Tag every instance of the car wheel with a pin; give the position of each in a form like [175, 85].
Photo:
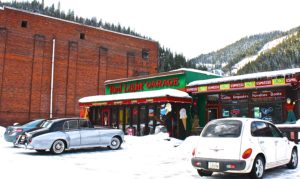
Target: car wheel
[115, 143]
[258, 168]
[204, 172]
[58, 147]
[294, 160]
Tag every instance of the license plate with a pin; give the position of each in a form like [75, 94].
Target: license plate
[214, 165]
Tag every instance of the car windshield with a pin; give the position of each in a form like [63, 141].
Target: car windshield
[223, 128]
[47, 124]
[34, 123]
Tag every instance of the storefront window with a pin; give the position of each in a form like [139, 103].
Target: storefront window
[234, 105]
[268, 111]
[267, 105]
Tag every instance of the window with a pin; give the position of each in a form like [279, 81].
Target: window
[71, 125]
[145, 54]
[82, 36]
[58, 126]
[24, 24]
[84, 124]
[228, 128]
[262, 129]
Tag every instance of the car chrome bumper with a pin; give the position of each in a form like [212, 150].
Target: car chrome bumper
[218, 165]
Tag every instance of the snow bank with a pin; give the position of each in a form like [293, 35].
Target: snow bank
[2, 130]
[187, 146]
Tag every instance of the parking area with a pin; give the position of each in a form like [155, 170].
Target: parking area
[148, 157]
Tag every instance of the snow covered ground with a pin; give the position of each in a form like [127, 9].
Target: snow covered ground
[148, 157]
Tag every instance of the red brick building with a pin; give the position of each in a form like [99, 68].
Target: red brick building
[84, 57]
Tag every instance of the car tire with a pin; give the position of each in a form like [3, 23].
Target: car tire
[204, 172]
[115, 143]
[40, 151]
[58, 147]
[294, 160]
[258, 168]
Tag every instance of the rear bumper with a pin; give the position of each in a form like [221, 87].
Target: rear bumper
[220, 165]
[10, 138]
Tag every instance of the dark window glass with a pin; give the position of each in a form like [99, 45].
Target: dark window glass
[73, 124]
[145, 54]
[82, 36]
[70, 125]
[58, 126]
[24, 24]
[261, 129]
[84, 124]
[275, 131]
[66, 125]
[228, 128]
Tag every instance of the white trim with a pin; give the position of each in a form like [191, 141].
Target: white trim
[52, 78]
[136, 95]
[72, 22]
[269, 74]
[122, 80]
[196, 71]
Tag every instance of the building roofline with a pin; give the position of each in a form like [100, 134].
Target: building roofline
[251, 76]
[162, 74]
[76, 23]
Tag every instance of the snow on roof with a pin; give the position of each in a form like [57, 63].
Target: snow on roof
[72, 22]
[161, 74]
[142, 77]
[268, 74]
[136, 95]
[195, 71]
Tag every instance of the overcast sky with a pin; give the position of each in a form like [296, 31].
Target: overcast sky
[191, 27]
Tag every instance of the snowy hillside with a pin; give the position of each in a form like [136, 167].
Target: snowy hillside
[265, 48]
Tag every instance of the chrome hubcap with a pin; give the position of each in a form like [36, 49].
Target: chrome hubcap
[58, 147]
[294, 158]
[259, 168]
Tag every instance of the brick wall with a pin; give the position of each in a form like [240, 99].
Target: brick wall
[81, 65]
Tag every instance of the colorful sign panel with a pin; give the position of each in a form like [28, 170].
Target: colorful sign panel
[175, 82]
[242, 85]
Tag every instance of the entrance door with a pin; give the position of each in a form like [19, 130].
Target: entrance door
[105, 117]
[212, 113]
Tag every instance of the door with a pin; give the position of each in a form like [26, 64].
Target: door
[72, 131]
[88, 136]
[281, 144]
[212, 113]
[105, 117]
[267, 143]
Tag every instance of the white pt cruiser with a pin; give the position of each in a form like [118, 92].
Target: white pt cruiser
[242, 145]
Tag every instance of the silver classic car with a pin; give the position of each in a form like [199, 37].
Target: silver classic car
[62, 134]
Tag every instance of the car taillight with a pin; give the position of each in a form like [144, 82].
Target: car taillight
[247, 153]
[194, 152]
[29, 140]
[18, 130]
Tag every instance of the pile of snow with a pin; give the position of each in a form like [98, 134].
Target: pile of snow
[2, 130]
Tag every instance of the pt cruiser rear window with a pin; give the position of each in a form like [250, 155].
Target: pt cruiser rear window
[223, 128]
